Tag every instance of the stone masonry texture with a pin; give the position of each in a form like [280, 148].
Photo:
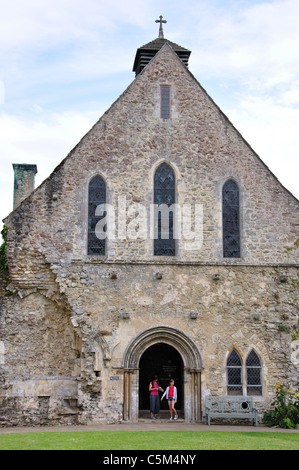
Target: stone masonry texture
[71, 323]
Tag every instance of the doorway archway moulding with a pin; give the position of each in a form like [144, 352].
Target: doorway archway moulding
[163, 334]
[191, 358]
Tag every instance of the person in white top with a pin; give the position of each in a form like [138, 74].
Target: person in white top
[172, 396]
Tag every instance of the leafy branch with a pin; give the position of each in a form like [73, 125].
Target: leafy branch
[3, 257]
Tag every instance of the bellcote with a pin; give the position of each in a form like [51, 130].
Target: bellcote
[145, 53]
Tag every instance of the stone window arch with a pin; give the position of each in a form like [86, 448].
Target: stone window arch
[253, 374]
[96, 214]
[231, 220]
[234, 373]
[164, 216]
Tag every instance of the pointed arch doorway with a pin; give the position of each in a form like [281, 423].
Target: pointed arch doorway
[189, 369]
[164, 361]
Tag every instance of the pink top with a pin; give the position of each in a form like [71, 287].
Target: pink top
[156, 386]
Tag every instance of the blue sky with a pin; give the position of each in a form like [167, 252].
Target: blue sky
[63, 63]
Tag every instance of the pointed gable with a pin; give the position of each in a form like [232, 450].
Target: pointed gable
[205, 150]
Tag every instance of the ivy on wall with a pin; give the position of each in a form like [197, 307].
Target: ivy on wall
[3, 258]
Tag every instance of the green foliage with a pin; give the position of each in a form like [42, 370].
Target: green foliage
[295, 335]
[295, 246]
[283, 328]
[3, 257]
[286, 409]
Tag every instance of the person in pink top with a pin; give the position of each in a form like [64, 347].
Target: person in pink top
[154, 389]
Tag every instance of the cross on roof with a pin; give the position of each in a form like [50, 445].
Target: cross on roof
[161, 34]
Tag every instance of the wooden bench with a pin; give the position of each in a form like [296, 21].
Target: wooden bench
[230, 407]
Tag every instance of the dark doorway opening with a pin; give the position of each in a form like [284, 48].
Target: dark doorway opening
[165, 362]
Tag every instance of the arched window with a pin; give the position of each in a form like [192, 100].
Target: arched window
[96, 202]
[164, 197]
[234, 374]
[231, 220]
[253, 374]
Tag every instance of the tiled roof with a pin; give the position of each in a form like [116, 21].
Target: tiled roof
[156, 44]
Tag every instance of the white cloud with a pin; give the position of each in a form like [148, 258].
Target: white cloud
[249, 53]
[272, 131]
[44, 141]
[24, 23]
[35, 24]
[290, 97]
[252, 39]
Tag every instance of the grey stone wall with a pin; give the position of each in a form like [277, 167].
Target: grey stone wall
[67, 323]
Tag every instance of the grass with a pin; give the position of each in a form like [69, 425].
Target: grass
[150, 440]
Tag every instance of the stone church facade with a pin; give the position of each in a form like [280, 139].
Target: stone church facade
[99, 301]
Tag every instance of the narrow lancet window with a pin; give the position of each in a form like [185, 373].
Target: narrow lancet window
[96, 214]
[165, 102]
[231, 220]
[234, 374]
[253, 374]
[164, 214]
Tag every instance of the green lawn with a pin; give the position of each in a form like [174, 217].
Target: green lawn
[150, 440]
